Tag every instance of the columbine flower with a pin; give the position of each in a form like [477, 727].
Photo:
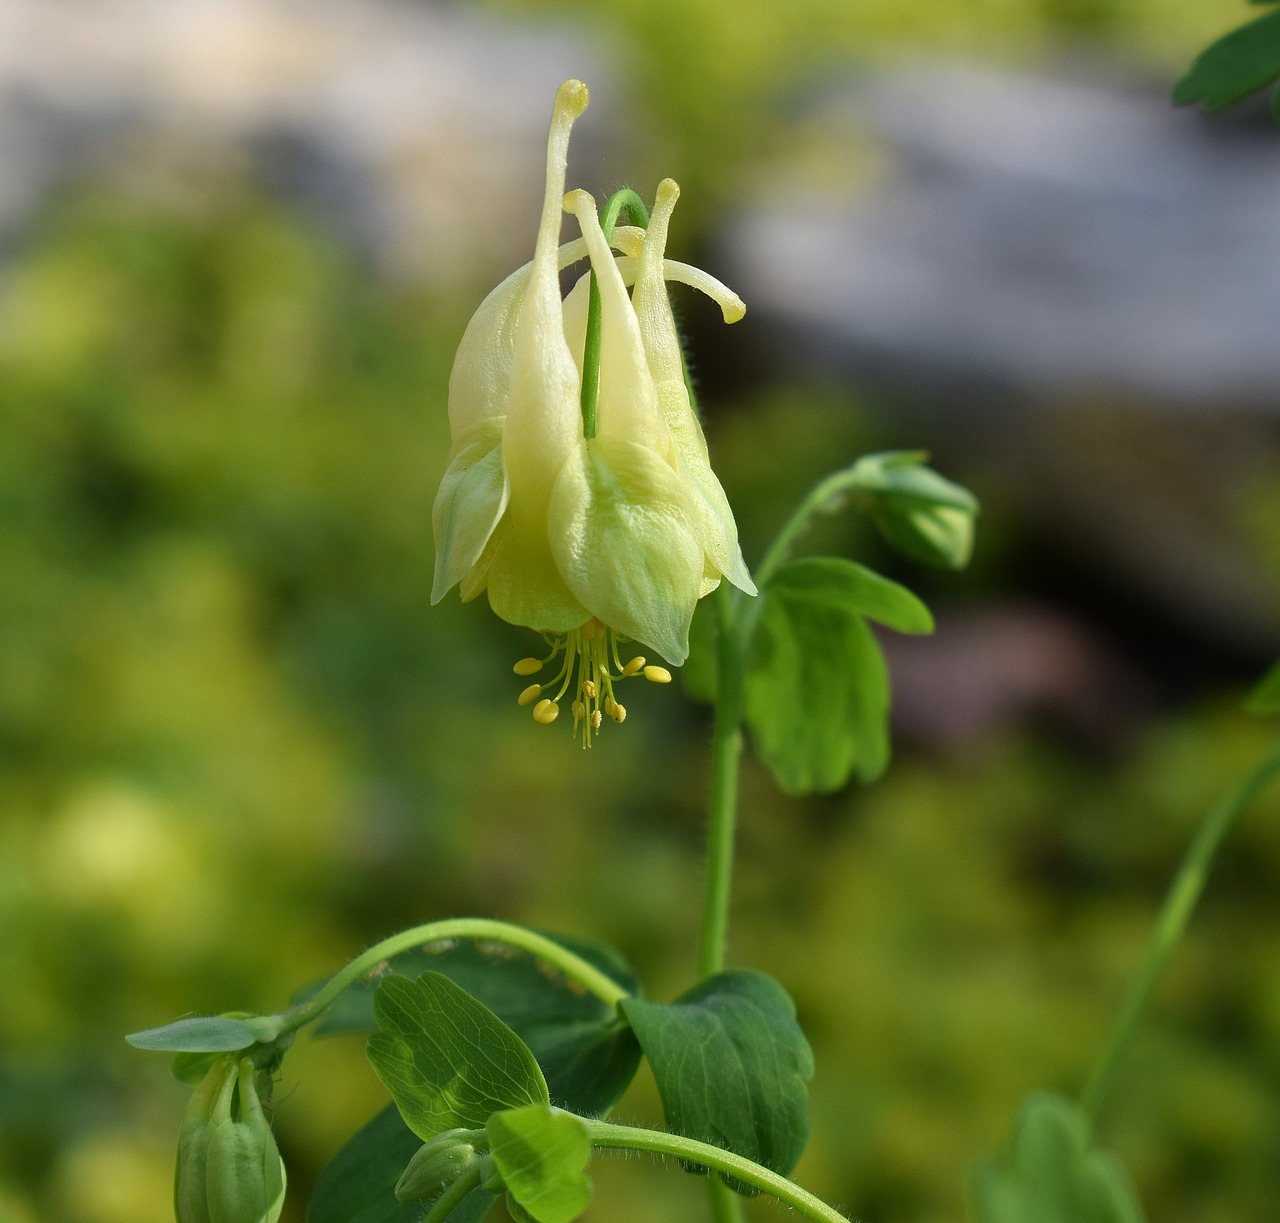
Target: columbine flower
[587, 539]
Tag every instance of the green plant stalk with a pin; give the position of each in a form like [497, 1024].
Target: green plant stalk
[635, 207]
[1179, 902]
[606, 1135]
[452, 1197]
[726, 750]
[480, 928]
[823, 493]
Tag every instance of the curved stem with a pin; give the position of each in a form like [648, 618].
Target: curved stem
[635, 207]
[726, 748]
[795, 526]
[628, 1138]
[481, 928]
[1179, 902]
[448, 1201]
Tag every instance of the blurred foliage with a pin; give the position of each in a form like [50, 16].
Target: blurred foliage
[711, 74]
[236, 745]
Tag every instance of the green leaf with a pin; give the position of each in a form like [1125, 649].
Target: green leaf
[190, 1068]
[1238, 64]
[542, 1154]
[1049, 1174]
[207, 1034]
[815, 686]
[587, 1055]
[731, 1064]
[447, 1059]
[358, 1185]
[1265, 697]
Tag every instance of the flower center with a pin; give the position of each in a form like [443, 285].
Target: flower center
[590, 665]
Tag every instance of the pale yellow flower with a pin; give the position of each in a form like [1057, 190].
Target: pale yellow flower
[585, 539]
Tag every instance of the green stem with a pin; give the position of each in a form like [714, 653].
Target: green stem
[824, 492]
[1179, 902]
[448, 1201]
[573, 966]
[628, 1138]
[635, 207]
[726, 749]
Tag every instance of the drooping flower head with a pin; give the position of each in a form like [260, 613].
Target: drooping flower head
[593, 528]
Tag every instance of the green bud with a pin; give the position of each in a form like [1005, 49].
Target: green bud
[190, 1202]
[244, 1174]
[436, 1165]
[922, 514]
[932, 534]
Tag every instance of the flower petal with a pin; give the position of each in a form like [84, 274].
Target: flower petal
[544, 421]
[716, 525]
[471, 500]
[620, 529]
[628, 401]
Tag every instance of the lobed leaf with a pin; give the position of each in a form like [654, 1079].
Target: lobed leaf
[447, 1059]
[542, 1154]
[587, 1055]
[1049, 1173]
[731, 1065]
[206, 1034]
[816, 687]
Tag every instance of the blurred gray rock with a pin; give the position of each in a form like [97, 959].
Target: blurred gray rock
[1049, 236]
[417, 127]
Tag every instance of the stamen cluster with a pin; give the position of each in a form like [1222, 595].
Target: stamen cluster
[589, 654]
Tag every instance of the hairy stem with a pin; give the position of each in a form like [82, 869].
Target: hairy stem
[452, 1197]
[481, 928]
[1179, 902]
[606, 1135]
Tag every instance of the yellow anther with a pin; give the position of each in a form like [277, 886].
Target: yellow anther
[591, 630]
[618, 713]
[657, 675]
[596, 719]
[634, 665]
[610, 705]
[529, 695]
[546, 711]
[528, 666]
[589, 689]
[579, 711]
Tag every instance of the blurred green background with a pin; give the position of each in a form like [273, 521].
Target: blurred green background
[237, 745]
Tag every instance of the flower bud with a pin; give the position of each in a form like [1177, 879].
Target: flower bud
[436, 1165]
[244, 1174]
[190, 1202]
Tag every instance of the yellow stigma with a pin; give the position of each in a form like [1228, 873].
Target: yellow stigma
[590, 667]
